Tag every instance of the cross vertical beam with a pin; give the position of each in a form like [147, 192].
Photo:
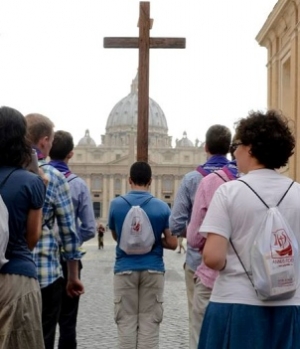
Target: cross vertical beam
[143, 87]
[144, 42]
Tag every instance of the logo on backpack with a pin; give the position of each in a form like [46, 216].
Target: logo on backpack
[137, 236]
[281, 244]
[274, 256]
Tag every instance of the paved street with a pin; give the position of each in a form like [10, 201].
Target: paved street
[96, 328]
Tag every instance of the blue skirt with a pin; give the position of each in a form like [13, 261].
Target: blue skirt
[239, 326]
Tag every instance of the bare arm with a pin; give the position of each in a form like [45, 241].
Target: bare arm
[34, 227]
[114, 235]
[215, 251]
[169, 241]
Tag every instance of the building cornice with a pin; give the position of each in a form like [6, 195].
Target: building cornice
[274, 16]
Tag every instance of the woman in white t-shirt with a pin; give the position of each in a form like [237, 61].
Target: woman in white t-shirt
[235, 317]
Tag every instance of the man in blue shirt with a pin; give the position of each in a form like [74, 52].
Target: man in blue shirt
[217, 142]
[139, 278]
[61, 152]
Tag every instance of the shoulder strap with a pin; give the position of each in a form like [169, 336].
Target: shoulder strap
[6, 178]
[142, 204]
[125, 200]
[240, 180]
[146, 201]
[239, 258]
[218, 174]
[279, 202]
[70, 180]
[201, 170]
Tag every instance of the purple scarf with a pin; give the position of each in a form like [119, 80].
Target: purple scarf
[215, 162]
[231, 170]
[40, 155]
[61, 166]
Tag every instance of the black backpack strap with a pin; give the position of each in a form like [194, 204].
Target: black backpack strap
[240, 180]
[6, 178]
[279, 202]
[218, 174]
[239, 258]
[43, 165]
[285, 193]
[125, 200]
[70, 180]
[146, 201]
[142, 204]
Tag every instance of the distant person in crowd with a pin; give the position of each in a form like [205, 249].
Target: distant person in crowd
[205, 277]
[23, 194]
[60, 154]
[139, 278]
[180, 244]
[217, 141]
[235, 317]
[101, 231]
[58, 215]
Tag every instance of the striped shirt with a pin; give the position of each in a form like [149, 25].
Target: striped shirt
[57, 208]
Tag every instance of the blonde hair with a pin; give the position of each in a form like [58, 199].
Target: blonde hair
[38, 126]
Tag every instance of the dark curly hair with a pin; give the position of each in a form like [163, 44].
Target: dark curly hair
[270, 137]
[15, 149]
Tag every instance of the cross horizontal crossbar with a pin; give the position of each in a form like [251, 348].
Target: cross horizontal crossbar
[127, 42]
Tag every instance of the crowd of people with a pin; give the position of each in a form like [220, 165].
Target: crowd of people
[219, 208]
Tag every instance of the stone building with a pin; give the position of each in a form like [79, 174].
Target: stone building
[105, 166]
[280, 35]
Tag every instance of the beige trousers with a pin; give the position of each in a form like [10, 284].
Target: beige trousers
[190, 284]
[20, 313]
[138, 298]
[200, 301]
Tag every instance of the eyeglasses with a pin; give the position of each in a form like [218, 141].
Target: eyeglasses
[233, 146]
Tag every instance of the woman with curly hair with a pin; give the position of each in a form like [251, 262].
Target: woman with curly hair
[23, 194]
[235, 317]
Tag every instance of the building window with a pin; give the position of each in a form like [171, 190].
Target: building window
[186, 158]
[97, 209]
[97, 157]
[96, 183]
[79, 157]
[167, 184]
[117, 184]
[118, 156]
[168, 157]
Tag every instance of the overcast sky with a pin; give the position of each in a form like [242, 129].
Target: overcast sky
[52, 61]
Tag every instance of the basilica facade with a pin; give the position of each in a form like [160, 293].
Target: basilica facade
[105, 166]
[280, 34]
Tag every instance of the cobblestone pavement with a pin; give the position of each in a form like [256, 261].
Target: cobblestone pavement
[96, 328]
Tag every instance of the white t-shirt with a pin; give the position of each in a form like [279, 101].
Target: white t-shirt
[236, 212]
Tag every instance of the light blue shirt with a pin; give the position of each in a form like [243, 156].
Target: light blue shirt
[84, 214]
[182, 211]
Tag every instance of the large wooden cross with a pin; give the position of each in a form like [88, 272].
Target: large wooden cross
[144, 42]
